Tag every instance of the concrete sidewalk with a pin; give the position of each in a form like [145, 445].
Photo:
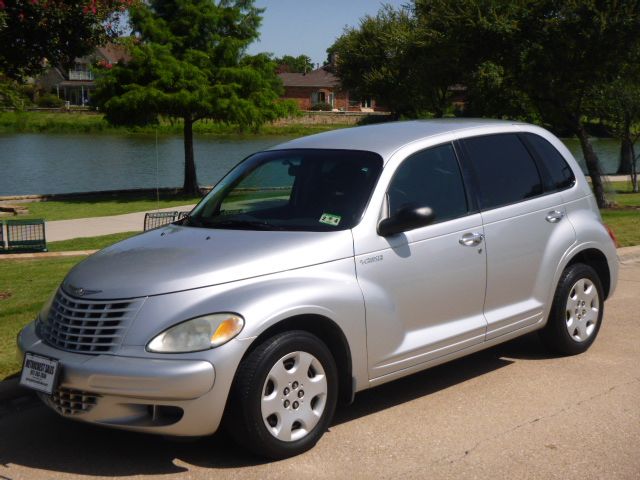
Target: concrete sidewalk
[97, 226]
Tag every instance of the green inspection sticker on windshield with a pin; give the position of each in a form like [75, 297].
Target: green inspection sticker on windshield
[330, 219]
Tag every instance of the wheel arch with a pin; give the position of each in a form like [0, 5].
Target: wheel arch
[331, 335]
[598, 261]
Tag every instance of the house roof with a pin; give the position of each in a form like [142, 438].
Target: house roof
[114, 53]
[316, 78]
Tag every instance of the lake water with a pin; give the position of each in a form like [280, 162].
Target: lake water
[49, 163]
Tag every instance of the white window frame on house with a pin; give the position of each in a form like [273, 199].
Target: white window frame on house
[318, 97]
[80, 71]
[366, 102]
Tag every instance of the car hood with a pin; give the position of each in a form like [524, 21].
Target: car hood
[175, 258]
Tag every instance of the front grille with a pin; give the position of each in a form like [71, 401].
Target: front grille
[67, 401]
[88, 326]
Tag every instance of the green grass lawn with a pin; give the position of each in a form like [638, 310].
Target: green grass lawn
[624, 218]
[100, 207]
[24, 287]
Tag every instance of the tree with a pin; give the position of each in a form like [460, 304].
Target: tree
[537, 59]
[190, 64]
[617, 104]
[544, 57]
[56, 30]
[289, 63]
[373, 61]
[562, 50]
[410, 58]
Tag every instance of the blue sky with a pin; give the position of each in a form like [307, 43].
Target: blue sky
[309, 27]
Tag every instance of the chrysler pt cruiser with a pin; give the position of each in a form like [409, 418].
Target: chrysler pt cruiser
[322, 267]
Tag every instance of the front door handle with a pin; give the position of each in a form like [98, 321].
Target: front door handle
[554, 216]
[471, 239]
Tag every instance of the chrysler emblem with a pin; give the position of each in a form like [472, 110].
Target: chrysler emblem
[79, 292]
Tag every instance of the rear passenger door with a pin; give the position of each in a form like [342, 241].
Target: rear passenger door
[526, 232]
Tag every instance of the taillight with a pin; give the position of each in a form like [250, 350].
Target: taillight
[612, 235]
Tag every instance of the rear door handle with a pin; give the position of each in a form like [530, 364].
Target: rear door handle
[471, 239]
[554, 216]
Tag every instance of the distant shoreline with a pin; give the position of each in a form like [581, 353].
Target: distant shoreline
[84, 122]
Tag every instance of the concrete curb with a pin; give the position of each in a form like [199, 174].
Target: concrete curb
[22, 256]
[629, 254]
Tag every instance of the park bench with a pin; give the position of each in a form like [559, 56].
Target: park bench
[158, 219]
[24, 235]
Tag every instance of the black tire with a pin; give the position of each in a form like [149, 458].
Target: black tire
[244, 420]
[556, 334]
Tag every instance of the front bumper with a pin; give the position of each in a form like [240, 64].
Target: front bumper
[166, 396]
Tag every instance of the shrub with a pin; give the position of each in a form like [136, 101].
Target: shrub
[49, 100]
[324, 107]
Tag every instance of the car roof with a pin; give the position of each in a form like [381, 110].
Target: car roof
[386, 138]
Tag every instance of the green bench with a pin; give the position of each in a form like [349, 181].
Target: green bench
[23, 236]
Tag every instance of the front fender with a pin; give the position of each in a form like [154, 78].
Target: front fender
[328, 289]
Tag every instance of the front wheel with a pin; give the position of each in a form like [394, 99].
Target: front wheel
[576, 312]
[284, 395]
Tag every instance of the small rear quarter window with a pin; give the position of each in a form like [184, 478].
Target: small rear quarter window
[556, 172]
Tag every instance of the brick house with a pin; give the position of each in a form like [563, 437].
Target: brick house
[322, 86]
[76, 84]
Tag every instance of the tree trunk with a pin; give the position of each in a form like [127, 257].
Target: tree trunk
[190, 186]
[626, 154]
[593, 165]
[634, 170]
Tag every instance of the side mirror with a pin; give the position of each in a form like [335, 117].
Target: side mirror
[407, 218]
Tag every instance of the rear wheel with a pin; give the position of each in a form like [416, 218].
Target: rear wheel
[576, 313]
[284, 395]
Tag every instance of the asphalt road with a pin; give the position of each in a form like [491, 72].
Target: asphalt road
[509, 412]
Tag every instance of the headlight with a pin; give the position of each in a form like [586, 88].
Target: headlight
[198, 334]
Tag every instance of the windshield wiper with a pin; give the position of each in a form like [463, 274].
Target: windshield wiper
[190, 221]
[241, 224]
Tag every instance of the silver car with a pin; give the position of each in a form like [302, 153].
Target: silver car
[322, 267]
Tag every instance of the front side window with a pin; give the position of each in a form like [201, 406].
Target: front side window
[430, 178]
[505, 171]
[308, 190]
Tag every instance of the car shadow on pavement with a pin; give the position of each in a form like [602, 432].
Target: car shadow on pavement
[37, 438]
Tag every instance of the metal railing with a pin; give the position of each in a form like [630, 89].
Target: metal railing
[80, 75]
[24, 235]
[154, 220]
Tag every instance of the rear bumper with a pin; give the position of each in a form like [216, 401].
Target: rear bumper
[171, 397]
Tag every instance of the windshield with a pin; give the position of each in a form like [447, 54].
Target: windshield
[309, 190]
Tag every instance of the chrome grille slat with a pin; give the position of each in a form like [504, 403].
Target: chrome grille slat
[88, 326]
[94, 310]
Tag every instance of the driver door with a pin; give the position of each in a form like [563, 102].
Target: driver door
[424, 289]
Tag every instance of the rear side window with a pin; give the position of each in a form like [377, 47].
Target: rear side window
[430, 178]
[505, 171]
[557, 173]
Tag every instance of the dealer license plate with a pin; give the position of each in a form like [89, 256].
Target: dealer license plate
[39, 373]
